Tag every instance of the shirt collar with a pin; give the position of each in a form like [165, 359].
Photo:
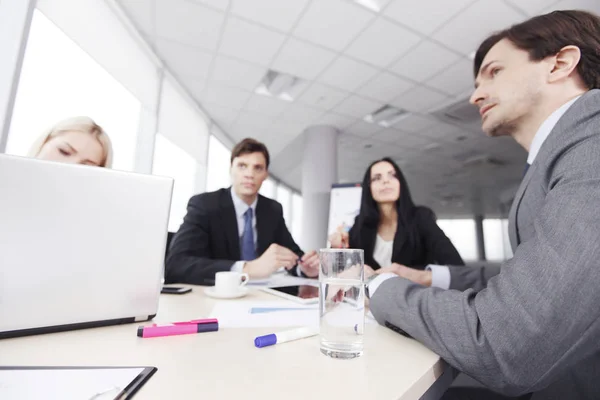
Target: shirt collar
[545, 129]
[240, 205]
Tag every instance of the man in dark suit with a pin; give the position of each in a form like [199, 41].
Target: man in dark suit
[236, 229]
[531, 328]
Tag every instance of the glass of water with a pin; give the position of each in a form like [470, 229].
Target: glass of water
[341, 302]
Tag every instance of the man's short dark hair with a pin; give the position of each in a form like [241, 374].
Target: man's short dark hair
[545, 35]
[248, 146]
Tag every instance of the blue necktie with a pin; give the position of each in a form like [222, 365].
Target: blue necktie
[526, 168]
[248, 250]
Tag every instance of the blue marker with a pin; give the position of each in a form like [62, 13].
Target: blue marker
[286, 336]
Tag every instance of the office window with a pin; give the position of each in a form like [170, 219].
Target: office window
[170, 160]
[269, 188]
[297, 218]
[284, 196]
[497, 243]
[219, 164]
[60, 80]
[462, 234]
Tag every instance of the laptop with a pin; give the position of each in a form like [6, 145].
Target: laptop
[80, 246]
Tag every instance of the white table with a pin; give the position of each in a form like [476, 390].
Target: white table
[226, 365]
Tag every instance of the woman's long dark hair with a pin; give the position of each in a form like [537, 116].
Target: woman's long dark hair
[369, 211]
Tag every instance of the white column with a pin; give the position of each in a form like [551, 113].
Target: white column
[319, 172]
[15, 20]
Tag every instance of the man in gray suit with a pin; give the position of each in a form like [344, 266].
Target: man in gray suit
[531, 328]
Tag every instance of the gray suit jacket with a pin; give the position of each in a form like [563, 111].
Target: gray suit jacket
[535, 326]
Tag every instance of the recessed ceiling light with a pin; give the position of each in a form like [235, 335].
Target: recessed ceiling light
[282, 86]
[373, 5]
[386, 116]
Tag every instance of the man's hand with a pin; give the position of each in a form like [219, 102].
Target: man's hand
[272, 259]
[340, 238]
[415, 275]
[309, 264]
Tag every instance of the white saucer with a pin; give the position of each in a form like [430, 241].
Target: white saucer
[211, 292]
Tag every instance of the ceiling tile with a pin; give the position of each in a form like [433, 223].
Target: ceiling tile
[587, 5]
[400, 138]
[444, 132]
[277, 14]
[346, 141]
[332, 23]
[356, 106]
[184, 60]
[415, 123]
[424, 16]
[302, 59]
[223, 96]
[424, 61]
[250, 124]
[194, 86]
[363, 129]
[337, 120]
[250, 42]
[300, 113]
[532, 7]
[266, 105]
[188, 23]
[141, 13]
[457, 79]
[219, 4]
[347, 74]
[465, 32]
[382, 43]
[235, 73]
[419, 99]
[384, 87]
[322, 97]
[224, 116]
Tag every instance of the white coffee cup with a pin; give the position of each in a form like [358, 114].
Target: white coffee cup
[230, 282]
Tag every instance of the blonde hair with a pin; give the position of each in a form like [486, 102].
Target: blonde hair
[76, 124]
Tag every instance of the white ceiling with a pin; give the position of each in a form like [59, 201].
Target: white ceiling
[411, 55]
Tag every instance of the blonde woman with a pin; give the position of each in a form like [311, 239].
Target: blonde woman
[77, 140]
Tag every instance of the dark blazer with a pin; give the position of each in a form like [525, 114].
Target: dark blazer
[431, 245]
[208, 240]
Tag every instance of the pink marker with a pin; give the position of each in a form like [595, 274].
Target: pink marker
[178, 328]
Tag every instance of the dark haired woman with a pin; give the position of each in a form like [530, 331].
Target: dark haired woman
[393, 232]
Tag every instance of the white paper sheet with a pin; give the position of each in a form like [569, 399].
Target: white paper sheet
[65, 384]
[253, 314]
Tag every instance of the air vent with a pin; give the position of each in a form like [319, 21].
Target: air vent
[386, 116]
[282, 86]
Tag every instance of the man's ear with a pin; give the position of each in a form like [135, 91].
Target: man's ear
[564, 63]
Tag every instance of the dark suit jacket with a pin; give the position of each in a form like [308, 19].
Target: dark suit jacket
[431, 246]
[208, 240]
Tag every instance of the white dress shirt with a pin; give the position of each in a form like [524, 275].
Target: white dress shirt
[382, 253]
[440, 274]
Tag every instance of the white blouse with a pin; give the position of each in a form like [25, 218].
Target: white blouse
[383, 251]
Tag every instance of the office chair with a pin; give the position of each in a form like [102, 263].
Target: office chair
[169, 239]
